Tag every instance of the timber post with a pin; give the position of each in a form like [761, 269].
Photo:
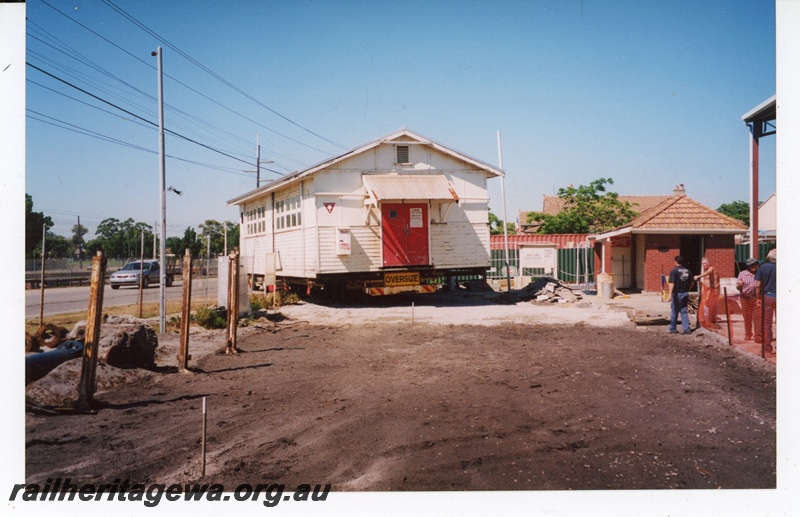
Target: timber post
[233, 301]
[87, 385]
[183, 350]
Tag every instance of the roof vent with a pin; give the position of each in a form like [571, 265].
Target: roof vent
[402, 154]
[679, 190]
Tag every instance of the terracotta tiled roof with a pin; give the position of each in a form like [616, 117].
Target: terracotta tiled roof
[552, 205]
[684, 213]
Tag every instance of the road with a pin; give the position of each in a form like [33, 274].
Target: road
[59, 300]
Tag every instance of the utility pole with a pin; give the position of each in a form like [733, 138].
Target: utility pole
[258, 161]
[162, 256]
[80, 245]
[505, 218]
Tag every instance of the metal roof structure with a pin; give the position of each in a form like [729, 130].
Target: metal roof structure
[762, 122]
[408, 187]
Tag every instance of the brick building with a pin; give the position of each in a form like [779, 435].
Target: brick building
[643, 250]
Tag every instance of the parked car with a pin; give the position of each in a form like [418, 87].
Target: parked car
[129, 275]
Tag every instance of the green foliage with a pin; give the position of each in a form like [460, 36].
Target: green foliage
[213, 233]
[34, 223]
[270, 300]
[121, 238]
[737, 209]
[209, 319]
[587, 209]
[496, 225]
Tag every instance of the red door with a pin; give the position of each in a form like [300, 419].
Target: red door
[405, 234]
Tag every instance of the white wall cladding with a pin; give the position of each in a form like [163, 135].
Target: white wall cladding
[365, 254]
[459, 245]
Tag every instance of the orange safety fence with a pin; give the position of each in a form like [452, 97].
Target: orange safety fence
[730, 314]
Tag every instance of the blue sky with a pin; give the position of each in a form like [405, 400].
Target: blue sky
[650, 94]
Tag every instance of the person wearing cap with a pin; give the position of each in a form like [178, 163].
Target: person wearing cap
[746, 284]
[766, 293]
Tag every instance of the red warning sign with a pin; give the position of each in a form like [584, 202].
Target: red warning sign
[329, 207]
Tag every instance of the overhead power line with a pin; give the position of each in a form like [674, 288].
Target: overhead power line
[135, 115]
[150, 65]
[189, 58]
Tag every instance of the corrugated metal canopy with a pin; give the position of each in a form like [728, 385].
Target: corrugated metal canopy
[409, 187]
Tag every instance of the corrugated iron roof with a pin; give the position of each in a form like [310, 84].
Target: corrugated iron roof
[409, 187]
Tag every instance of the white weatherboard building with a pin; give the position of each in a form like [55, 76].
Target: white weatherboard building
[392, 215]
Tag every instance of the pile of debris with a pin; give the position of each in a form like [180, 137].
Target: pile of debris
[544, 290]
[126, 348]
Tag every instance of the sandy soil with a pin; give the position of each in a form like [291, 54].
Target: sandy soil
[471, 395]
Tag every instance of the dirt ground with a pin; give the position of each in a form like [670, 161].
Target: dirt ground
[457, 393]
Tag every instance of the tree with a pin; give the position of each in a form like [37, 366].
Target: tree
[737, 209]
[57, 246]
[212, 236]
[189, 241]
[233, 235]
[496, 225]
[586, 210]
[34, 222]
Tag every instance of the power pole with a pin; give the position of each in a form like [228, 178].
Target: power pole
[258, 161]
[80, 245]
[162, 256]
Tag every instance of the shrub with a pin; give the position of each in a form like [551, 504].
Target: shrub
[209, 318]
[265, 301]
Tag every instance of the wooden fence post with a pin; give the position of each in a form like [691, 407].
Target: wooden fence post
[87, 385]
[233, 301]
[183, 350]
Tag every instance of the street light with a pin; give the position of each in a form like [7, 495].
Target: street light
[162, 256]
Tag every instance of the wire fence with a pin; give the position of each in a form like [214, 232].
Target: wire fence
[64, 297]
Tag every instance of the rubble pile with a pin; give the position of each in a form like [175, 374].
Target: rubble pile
[127, 349]
[544, 290]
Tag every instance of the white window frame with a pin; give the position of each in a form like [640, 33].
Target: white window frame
[288, 212]
[255, 219]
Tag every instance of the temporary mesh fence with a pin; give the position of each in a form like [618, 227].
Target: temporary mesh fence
[747, 323]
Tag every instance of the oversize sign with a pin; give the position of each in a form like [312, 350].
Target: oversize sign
[402, 278]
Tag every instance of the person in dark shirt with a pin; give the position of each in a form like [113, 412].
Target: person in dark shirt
[680, 282]
[766, 294]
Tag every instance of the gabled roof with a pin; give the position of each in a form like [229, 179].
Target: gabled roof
[394, 138]
[553, 205]
[680, 214]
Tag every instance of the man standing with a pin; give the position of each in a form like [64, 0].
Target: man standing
[680, 281]
[709, 295]
[746, 284]
[766, 293]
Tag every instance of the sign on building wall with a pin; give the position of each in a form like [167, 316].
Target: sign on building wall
[415, 219]
[342, 241]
